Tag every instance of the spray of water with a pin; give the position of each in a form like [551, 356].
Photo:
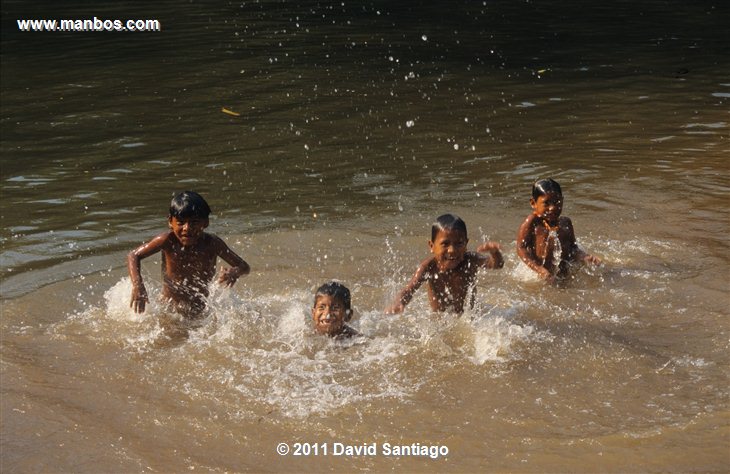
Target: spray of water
[261, 352]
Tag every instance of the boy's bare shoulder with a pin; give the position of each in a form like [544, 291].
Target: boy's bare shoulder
[527, 226]
[213, 241]
[530, 220]
[427, 265]
[162, 240]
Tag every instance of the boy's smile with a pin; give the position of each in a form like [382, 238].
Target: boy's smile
[448, 248]
[329, 315]
[548, 207]
[187, 230]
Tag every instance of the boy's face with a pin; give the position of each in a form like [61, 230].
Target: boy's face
[329, 315]
[448, 248]
[187, 229]
[548, 207]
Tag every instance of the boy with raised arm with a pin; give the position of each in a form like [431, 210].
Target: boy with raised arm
[451, 271]
[546, 240]
[188, 258]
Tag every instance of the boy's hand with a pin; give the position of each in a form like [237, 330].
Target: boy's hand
[229, 276]
[395, 308]
[592, 259]
[139, 299]
[545, 274]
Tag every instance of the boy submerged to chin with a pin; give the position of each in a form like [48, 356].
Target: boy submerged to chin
[451, 270]
[546, 239]
[332, 309]
[188, 258]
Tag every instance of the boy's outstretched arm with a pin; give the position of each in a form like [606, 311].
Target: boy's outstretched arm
[134, 259]
[406, 294]
[239, 267]
[493, 249]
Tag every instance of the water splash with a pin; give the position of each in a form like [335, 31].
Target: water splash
[260, 351]
[556, 249]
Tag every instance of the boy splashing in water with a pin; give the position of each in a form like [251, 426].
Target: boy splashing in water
[332, 309]
[546, 240]
[188, 258]
[451, 271]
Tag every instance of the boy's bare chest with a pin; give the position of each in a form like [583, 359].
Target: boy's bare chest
[453, 282]
[548, 241]
[191, 262]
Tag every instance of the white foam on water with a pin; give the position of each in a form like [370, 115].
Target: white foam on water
[117, 302]
[496, 335]
[687, 361]
[521, 272]
[262, 351]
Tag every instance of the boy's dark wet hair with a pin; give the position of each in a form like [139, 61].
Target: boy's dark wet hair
[447, 222]
[335, 290]
[544, 186]
[189, 204]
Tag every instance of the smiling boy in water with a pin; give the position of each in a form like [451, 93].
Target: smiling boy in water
[188, 258]
[331, 310]
[451, 271]
[546, 240]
